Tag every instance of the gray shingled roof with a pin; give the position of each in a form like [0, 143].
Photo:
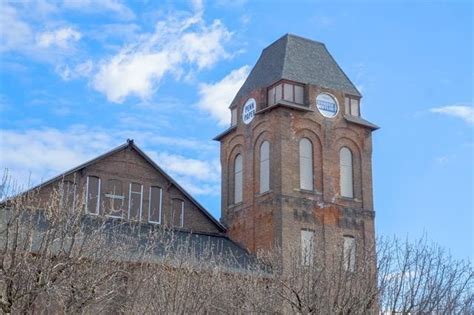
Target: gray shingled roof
[298, 59]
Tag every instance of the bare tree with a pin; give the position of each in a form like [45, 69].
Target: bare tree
[55, 257]
[421, 278]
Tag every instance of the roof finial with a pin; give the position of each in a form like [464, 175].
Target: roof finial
[130, 141]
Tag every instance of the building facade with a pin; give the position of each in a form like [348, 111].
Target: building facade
[296, 165]
[296, 161]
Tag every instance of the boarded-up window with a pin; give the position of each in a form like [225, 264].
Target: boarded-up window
[347, 108]
[238, 178]
[264, 167]
[67, 191]
[349, 253]
[306, 164]
[278, 93]
[271, 96]
[135, 199]
[177, 212]
[288, 92]
[346, 182]
[299, 94]
[93, 195]
[114, 198]
[154, 207]
[307, 247]
[233, 117]
[354, 107]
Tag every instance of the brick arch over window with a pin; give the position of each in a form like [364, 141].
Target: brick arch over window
[354, 149]
[317, 161]
[259, 160]
[235, 153]
[346, 178]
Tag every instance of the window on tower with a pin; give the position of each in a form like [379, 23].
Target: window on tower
[238, 178]
[233, 121]
[287, 91]
[346, 180]
[352, 106]
[349, 254]
[307, 247]
[265, 167]
[306, 164]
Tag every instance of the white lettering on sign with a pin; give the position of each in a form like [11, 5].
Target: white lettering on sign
[248, 112]
[327, 105]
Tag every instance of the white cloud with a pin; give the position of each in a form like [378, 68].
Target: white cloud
[215, 98]
[62, 38]
[177, 44]
[183, 166]
[46, 152]
[14, 32]
[83, 69]
[96, 6]
[464, 112]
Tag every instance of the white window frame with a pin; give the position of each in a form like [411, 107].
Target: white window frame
[306, 158]
[120, 197]
[349, 253]
[181, 217]
[97, 207]
[159, 207]
[346, 185]
[241, 183]
[264, 163]
[130, 192]
[307, 247]
[63, 182]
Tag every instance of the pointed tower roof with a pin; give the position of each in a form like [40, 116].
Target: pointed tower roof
[297, 59]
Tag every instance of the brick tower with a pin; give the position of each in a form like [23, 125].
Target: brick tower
[296, 160]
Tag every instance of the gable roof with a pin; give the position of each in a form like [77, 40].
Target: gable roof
[130, 144]
[297, 59]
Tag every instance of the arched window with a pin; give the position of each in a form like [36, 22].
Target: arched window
[306, 164]
[238, 170]
[345, 160]
[265, 167]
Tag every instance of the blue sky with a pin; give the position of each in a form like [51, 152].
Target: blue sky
[79, 77]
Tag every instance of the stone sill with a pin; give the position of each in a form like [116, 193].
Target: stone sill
[309, 192]
[264, 193]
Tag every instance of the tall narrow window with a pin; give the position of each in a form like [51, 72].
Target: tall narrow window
[135, 200]
[233, 117]
[177, 212]
[154, 206]
[307, 247]
[114, 198]
[349, 253]
[354, 107]
[306, 164]
[265, 167]
[238, 178]
[93, 195]
[67, 190]
[346, 182]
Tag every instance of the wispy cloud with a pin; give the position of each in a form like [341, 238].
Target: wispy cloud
[177, 44]
[61, 37]
[215, 98]
[14, 32]
[98, 6]
[465, 112]
[34, 155]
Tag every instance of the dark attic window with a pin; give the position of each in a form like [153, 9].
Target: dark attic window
[287, 91]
